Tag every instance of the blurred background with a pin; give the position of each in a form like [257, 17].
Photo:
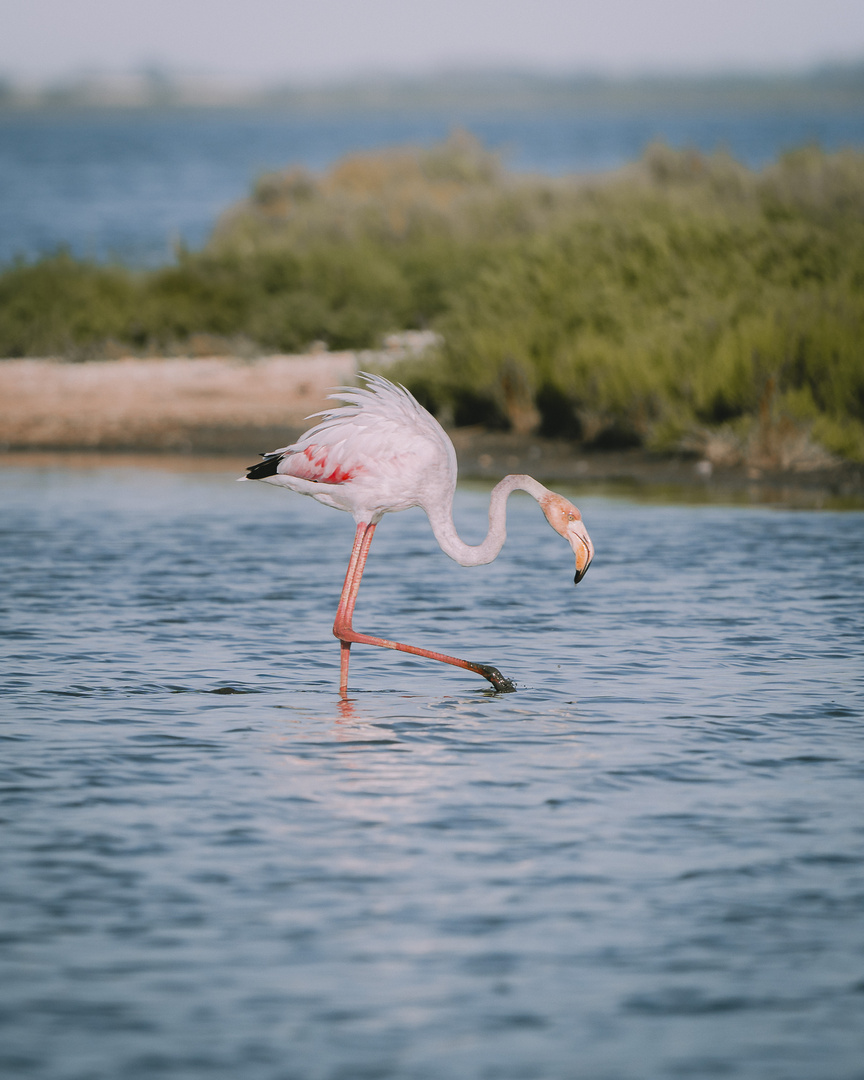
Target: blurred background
[628, 226]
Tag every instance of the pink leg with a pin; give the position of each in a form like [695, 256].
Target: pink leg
[343, 629]
[349, 597]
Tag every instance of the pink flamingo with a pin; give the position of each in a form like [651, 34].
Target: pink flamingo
[382, 451]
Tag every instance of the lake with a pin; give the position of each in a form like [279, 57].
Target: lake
[132, 185]
[646, 862]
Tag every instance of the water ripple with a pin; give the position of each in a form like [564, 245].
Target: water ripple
[646, 862]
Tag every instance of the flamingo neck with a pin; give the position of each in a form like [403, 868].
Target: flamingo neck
[476, 555]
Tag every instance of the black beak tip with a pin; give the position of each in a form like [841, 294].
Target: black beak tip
[581, 573]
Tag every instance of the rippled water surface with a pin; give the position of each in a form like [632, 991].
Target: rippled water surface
[648, 862]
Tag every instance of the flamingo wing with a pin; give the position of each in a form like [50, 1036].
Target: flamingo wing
[321, 464]
[380, 451]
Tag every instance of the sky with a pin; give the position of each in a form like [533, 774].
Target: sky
[321, 40]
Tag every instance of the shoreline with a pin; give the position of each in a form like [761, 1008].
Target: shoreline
[485, 457]
[228, 410]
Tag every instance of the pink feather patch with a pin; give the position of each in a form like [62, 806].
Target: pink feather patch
[320, 468]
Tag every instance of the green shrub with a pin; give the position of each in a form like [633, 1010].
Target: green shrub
[642, 308]
[60, 306]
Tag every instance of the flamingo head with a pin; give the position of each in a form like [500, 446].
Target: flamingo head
[566, 520]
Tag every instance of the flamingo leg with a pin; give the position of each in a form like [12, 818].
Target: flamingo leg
[344, 631]
[348, 598]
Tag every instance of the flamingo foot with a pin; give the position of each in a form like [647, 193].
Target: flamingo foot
[500, 682]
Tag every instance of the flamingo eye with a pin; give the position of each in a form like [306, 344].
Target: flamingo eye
[571, 517]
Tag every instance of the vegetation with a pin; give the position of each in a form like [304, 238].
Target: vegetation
[685, 302]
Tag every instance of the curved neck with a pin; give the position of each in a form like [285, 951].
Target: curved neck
[441, 521]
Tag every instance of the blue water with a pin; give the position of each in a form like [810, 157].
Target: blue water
[134, 185]
[646, 862]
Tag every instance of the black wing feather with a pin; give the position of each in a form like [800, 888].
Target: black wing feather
[267, 467]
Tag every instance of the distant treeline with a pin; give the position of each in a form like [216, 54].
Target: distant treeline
[830, 85]
[682, 303]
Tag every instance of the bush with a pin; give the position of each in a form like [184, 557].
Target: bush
[636, 309]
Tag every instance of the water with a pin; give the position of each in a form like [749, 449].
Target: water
[133, 185]
[646, 862]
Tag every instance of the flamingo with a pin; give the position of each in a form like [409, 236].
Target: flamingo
[379, 452]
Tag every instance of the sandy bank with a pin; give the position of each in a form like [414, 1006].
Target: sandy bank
[212, 404]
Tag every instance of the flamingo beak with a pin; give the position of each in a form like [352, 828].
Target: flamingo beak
[566, 520]
[583, 549]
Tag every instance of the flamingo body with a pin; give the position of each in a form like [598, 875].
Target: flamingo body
[381, 451]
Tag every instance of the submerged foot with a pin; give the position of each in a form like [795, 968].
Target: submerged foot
[499, 681]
